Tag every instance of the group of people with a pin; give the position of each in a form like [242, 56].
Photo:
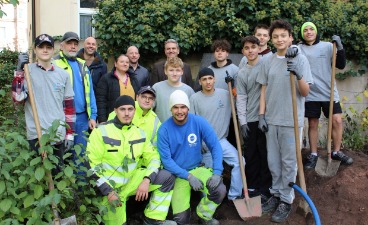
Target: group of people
[151, 132]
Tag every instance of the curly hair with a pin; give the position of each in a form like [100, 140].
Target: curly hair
[174, 62]
[221, 44]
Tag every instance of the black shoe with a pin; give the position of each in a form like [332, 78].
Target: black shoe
[264, 198]
[282, 212]
[149, 221]
[270, 205]
[311, 162]
[210, 222]
[342, 157]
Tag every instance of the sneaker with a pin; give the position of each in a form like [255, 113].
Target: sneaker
[270, 205]
[210, 222]
[149, 221]
[311, 162]
[264, 198]
[282, 212]
[342, 157]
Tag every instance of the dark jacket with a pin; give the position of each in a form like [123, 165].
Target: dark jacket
[97, 68]
[158, 74]
[108, 90]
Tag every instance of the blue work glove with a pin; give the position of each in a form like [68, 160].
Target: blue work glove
[262, 124]
[68, 145]
[293, 68]
[244, 130]
[195, 183]
[337, 40]
[23, 59]
[292, 51]
[214, 181]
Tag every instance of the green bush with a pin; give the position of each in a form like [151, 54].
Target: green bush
[148, 23]
[8, 63]
[24, 193]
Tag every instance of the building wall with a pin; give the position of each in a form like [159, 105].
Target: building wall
[13, 27]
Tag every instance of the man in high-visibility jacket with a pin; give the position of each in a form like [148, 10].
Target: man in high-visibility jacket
[144, 117]
[125, 163]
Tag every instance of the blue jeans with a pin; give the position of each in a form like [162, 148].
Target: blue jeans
[230, 156]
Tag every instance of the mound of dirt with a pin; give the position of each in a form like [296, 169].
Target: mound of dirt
[340, 200]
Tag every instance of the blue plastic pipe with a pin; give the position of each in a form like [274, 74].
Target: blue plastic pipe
[309, 201]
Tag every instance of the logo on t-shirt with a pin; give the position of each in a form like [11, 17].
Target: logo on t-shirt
[220, 104]
[192, 139]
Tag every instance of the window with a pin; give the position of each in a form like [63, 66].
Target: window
[87, 9]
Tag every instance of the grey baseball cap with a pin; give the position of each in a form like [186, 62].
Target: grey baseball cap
[70, 36]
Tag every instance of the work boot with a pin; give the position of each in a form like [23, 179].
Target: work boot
[282, 212]
[210, 222]
[311, 162]
[271, 204]
[149, 221]
[342, 157]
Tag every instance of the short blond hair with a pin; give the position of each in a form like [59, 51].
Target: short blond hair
[174, 62]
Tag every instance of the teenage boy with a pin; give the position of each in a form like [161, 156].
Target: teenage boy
[260, 32]
[54, 98]
[247, 102]
[319, 54]
[174, 69]
[214, 105]
[179, 144]
[276, 109]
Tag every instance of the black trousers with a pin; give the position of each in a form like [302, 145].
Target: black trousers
[58, 153]
[255, 154]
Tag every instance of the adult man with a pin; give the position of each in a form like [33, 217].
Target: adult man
[158, 71]
[260, 32]
[144, 117]
[84, 99]
[214, 105]
[276, 108]
[124, 164]
[141, 72]
[54, 97]
[259, 178]
[174, 69]
[97, 67]
[179, 143]
[319, 54]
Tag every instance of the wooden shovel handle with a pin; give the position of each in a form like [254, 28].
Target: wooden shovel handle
[238, 145]
[296, 133]
[330, 112]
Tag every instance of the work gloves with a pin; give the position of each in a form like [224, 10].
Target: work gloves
[337, 40]
[293, 68]
[292, 51]
[195, 183]
[244, 131]
[22, 60]
[214, 181]
[229, 79]
[262, 124]
[68, 145]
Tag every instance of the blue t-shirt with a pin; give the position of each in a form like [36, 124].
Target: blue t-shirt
[180, 145]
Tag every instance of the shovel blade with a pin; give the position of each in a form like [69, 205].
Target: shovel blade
[248, 208]
[325, 168]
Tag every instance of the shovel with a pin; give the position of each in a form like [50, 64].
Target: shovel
[57, 220]
[247, 208]
[329, 167]
[303, 205]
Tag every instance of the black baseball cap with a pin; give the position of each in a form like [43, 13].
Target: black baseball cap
[70, 36]
[147, 89]
[44, 38]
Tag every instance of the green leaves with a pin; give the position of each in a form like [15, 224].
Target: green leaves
[39, 173]
[5, 205]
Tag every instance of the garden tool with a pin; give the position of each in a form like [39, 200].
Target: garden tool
[57, 220]
[328, 167]
[247, 207]
[303, 205]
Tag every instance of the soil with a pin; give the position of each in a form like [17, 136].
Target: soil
[340, 200]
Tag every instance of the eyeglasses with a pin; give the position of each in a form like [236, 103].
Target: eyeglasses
[146, 98]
